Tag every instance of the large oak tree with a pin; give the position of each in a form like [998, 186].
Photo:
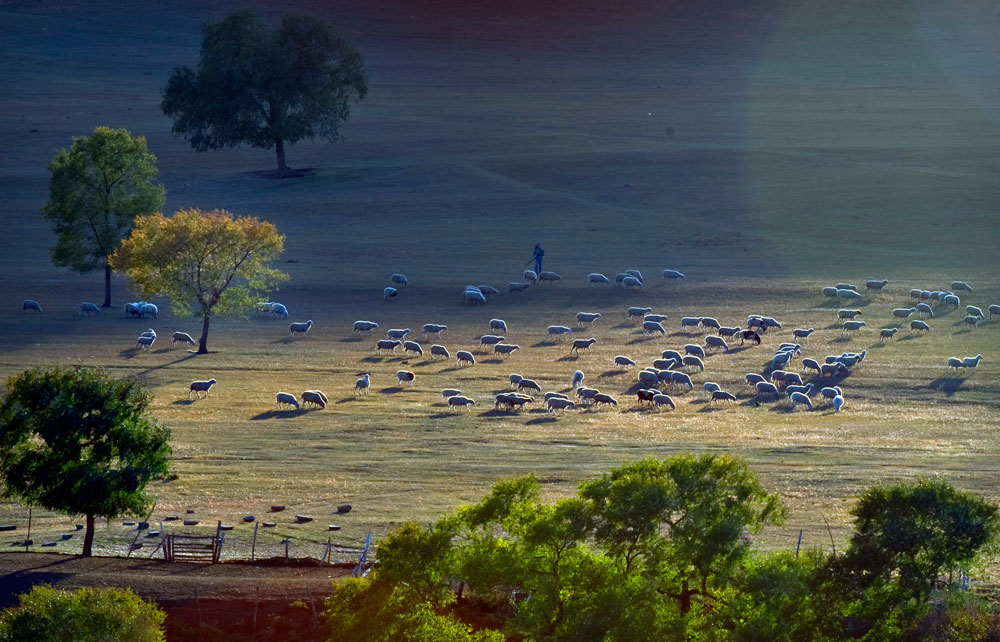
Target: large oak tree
[265, 88]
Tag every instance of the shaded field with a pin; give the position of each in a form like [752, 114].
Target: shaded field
[760, 152]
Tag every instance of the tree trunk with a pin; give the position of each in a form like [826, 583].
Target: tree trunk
[107, 285]
[685, 598]
[88, 537]
[203, 342]
[279, 149]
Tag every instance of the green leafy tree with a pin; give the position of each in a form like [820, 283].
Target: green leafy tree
[204, 262]
[87, 615]
[77, 440]
[98, 186]
[263, 88]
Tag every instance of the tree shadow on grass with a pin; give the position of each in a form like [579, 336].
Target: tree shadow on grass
[496, 412]
[571, 357]
[183, 402]
[348, 399]
[949, 385]
[391, 390]
[351, 340]
[372, 360]
[189, 355]
[545, 344]
[640, 339]
[547, 419]
[611, 373]
[279, 414]
[493, 361]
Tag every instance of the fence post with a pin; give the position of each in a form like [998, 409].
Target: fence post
[253, 547]
[27, 538]
[798, 544]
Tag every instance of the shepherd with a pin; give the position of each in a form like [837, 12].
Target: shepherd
[539, 253]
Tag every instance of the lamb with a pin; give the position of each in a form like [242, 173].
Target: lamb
[709, 387]
[709, 322]
[87, 308]
[653, 327]
[693, 362]
[634, 312]
[716, 342]
[366, 327]
[387, 344]
[399, 279]
[916, 325]
[846, 286]
[315, 397]
[852, 326]
[993, 309]
[903, 313]
[694, 349]
[722, 395]
[806, 389]
[829, 291]
[961, 285]
[800, 398]
[878, 286]
[577, 378]
[586, 318]
[181, 337]
[660, 400]
[848, 294]
[559, 329]
[558, 403]
[145, 341]
[838, 403]
[672, 274]
[518, 287]
[951, 299]
[390, 293]
[607, 400]
[844, 313]
[548, 277]
[887, 333]
[582, 344]
[659, 318]
[397, 333]
[973, 310]
[464, 357]
[490, 340]
[450, 392]
[596, 278]
[690, 322]
[299, 328]
[473, 297]
[765, 389]
[530, 276]
[972, 320]
[433, 328]
[405, 376]
[800, 333]
[199, 387]
[729, 332]
[924, 309]
[831, 392]
[505, 349]
[515, 379]
[363, 385]
[528, 384]
[414, 347]
[286, 398]
[498, 325]
[753, 378]
[458, 401]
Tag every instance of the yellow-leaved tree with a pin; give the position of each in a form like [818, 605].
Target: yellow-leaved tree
[205, 263]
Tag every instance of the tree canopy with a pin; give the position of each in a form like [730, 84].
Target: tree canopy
[98, 186]
[204, 262]
[265, 88]
[79, 441]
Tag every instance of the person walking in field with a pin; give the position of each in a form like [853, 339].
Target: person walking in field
[539, 253]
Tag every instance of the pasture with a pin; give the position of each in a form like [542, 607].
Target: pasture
[762, 153]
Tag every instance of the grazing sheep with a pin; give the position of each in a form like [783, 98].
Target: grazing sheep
[473, 297]
[548, 277]
[363, 385]
[647, 378]
[366, 327]
[709, 322]
[917, 325]
[903, 313]
[133, 309]
[887, 333]
[464, 357]
[414, 347]
[756, 321]
[505, 349]
[181, 337]
[778, 376]
[716, 342]
[390, 294]
[729, 332]
[838, 403]
[30, 305]
[635, 273]
[844, 313]
[961, 285]
[672, 354]
[199, 387]
[577, 378]
[586, 318]
[693, 361]
[631, 283]
[558, 403]
[634, 312]
[399, 279]
[954, 363]
[915, 293]
[660, 400]
[515, 379]
[87, 308]
[831, 391]
[709, 387]
[810, 364]
[690, 322]
[530, 276]
[853, 326]
[753, 378]
[973, 310]
[722, 395]
[972, 320]
[596, 278]
[804, 389]
[458, 401]
[833, 369]
[877, 285]
[622, 360]
[607, 400]
[645, 395]
[490, 340]
[781, 359]
[694, 349]
[924, 309]
[285, 398]
[315, 397]
[800, 333]
[830, 291]
[299, 328]
[582, 344]
[846, 286]
[277, 311]
[769, 322]
[951, 299]
[652, 327]
[145, 341]
[498, 325]
[682, 379]
[750, 335]
[993, 309]
[397, 333]
[405, 376]
[659, 318]
[148, 333]
[766, 389]
[387, 344]
[848, 294]
[433, 328]
[672, 274]
[793, 378]
[559, 329]
[799, 398]
[518, 287]
[528, 384]
[487, 290]
[549, 395]
[450, 392]
[149, 310]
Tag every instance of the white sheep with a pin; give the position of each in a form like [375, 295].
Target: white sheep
[514, 379]
[722, 395]
[660, 400]
[621, 360]
[149, 310]
[145, 341]
[877, 285]
[831, 391]
[490, 340]
[829, 291]
[315, 397]
[498, 325]
[844, 313]
[464, 357]
[709, 387]
[917, 325]
[405, 376]
[810, 364]
[631, 283]
[299, 328]
[473, 297]
[972, 362]
[924, 309]
[845, 293]
[648, 378]
[433, 328]
[753, 378]
[528, 384]
[659, 318]
[993, 309]
[596, 278]
[559, 329]
[973, 310]
[363, 385]
[800, 333]
[712, 341]
[285, 398]
[961, 285]
[530, 276]
[635, 312]
[766, 389]
[558, 403]
[364, 327]
[972, 320]
[587, 394]
[199, 387]
[582, 344]
[414, 347]
[682, 378]
[458, 401]
[651, 327]
[846, 286]
[887, 333]
[951, 299]
[577, 378]
[852, 326]
[549, 395]
[800, 398]
[502, 349]
[30, 305]
[586, 318]
[548, 276]
[903, 313]
[487, 290]
[181, 337]
[450, 392]
[390, 293]
[838, 403]
[915, 293]
[399, 279]
[690, 322]
[87, 308]
[710, 322]
[518, 287]
[693, 362]
[134, 309]
[440, 351]
[694, 349]
[804, 389]
[149, 332]
[387, 344]
[397, 333]
[672, 274]
[605, 399]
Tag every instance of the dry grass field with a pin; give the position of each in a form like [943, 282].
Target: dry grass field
[766, 152]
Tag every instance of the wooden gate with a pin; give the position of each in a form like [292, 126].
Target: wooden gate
[192, 548]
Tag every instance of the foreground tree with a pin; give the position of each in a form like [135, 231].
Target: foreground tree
[98, 186]
[81, 442]
[204, 262]
[263, 88]
[86, 615]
